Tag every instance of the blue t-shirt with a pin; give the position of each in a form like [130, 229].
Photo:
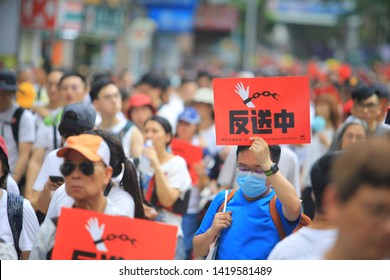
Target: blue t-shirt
[253, 234]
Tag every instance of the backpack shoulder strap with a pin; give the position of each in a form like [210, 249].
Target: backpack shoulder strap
[230, 196]
[124, 130]
[50, 252]
[276, 218]
[15, 217]
[15, 123]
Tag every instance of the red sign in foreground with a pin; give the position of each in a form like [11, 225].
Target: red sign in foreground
[88, 235]
[191, 154]
[274, 108]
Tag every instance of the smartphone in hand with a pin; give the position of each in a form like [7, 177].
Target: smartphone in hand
[57, 179]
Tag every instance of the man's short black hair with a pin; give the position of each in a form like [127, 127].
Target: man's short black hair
[381, 91]
[362, 92]
[154, 80]
[97, 85]
[73, 74]
[273, 149]
[320, 177]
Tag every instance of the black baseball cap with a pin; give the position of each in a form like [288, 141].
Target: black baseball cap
[7, 80]
[77, 118]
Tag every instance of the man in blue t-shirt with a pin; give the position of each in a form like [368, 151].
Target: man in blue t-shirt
[246, 228]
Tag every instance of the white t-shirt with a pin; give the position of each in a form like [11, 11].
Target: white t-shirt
[7, 251]
[122, 200]
[178, 177]
[210, 137]
[171, 110]
[30, 224]
[50, 167]
[193, 204]
[12, 186]
[45, 133]
[98, 119]
[126, 140]
[315, 150]
[305, 244]
[26, 132]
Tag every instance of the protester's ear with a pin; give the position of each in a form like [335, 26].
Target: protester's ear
[331, 202]
[108, 175]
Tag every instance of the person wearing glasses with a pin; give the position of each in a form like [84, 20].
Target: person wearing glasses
[123, 190]
[76, 118]
[87, 171]
[107, 101]
[72, 88]
[246, 229]
[366, 107]
[47, 119]
[350, 134]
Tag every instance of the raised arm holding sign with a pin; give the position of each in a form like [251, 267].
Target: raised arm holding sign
[276, 109]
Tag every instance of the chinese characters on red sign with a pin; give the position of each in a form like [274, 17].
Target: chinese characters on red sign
[96, 236]
[274, 108]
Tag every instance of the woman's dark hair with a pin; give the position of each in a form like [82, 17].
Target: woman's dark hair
[336, 144]
[164, 123]
[273, 149]
[129, 180]
[6, 170]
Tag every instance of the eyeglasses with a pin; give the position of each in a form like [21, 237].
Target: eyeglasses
[357, 137]
[86, 167]
[73, 87]
[52, 84]
[369, 106]
[244, 169]
[111, 96]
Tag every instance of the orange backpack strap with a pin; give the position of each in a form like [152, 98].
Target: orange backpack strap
[230, 196]
[276, 218]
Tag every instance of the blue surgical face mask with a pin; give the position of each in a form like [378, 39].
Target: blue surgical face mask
[251, 185]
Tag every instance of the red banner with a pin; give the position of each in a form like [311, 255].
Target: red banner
[39, 14]
[274, 108]
[89, 235]
[192, 155]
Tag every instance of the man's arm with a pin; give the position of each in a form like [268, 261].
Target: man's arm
[202, 242]
[286, 194]
[21, 163]
[282, 187]
[34, 165]
[137, 143]
[44, 197]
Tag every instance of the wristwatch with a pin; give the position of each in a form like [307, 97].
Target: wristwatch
[274, 168]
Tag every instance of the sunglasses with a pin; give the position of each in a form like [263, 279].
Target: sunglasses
[86, 167]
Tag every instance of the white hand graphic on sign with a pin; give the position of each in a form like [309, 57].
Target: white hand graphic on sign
[244, 94]
[96, 233]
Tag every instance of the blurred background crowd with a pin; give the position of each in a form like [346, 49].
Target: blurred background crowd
[135, 59]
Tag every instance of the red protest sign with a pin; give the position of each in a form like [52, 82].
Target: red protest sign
[83, 234]
[274, 108]
[192, 155]
[39, 14]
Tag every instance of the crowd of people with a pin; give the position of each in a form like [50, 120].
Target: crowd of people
[103, 143]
